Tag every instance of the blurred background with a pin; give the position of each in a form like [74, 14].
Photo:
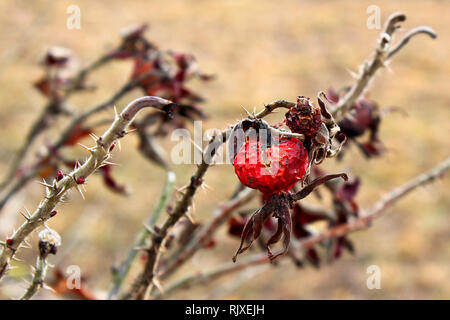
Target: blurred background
[260, 51]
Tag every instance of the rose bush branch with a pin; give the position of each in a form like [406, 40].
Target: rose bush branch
[388, 200]
[37, 282]
[55, 193]
[411, 33]
[382, 54]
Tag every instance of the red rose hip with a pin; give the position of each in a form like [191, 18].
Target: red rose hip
[271, 170]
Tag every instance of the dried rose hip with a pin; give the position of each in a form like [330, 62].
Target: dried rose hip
[271, 170]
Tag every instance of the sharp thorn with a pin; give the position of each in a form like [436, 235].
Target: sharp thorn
[16, 259]
[91, 150]
[110, 163]
[150, 229]
[141, 248]
[189, 216]
[47, 287]
[130, 131]
[81, 192]
[45, 184]
[158, 285]
[24, 216]
[116, 113]
[248, 113]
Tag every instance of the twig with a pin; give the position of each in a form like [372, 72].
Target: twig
[38, 278]
[340, 230]
[269, 108]
[382, 54]
[299, 136]
[225, 289]
[411, 33]
[55, 193]
[142, 236]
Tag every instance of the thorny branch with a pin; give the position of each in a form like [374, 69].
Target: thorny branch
[38, 278]
[388, 200]
[100, 155]
[382, 54]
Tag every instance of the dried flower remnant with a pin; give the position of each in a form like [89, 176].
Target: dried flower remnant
[133, 43]
[302, 217]
[317, 125]
[304, 117]
[60, 74]
[364, 117]
[78, 133]
[49, 241]
[110, 182]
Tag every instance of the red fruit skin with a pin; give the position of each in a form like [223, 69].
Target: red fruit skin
[273, 170]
